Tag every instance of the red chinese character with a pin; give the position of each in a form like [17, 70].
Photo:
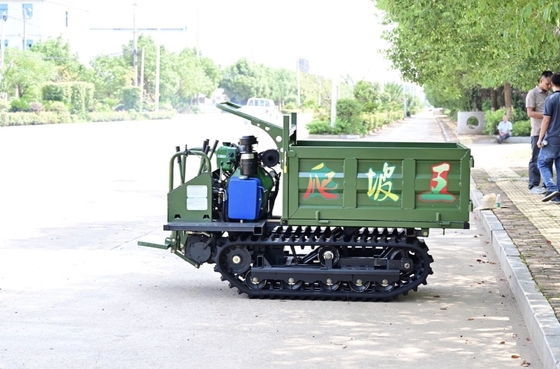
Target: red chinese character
[320, 181]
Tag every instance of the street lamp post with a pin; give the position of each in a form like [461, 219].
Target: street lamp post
[405, 101]
[135, 51]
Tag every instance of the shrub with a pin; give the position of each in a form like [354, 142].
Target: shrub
[78, 99]
[132, 98]
[36, 107]
[17, 105]
[108, 116]
[166, 107]
[134, 115]
[148, 106]
[348, 110]
[112, 103]
[77, 95]
[369, 121]
[165, 114]
[354, 127]
[100, 106]
[57, 107]
[320, 114]
[4, 105]
[349, 117]
[520, 114]
[21, 118]
[521, 128]
[54, 91]
[492, 121]
[290, 106]
[320, 128]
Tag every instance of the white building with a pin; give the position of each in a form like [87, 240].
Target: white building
[24, 22]
[92, 27]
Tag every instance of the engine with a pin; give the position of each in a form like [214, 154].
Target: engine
[245, 184]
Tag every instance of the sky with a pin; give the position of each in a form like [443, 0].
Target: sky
[336, 36]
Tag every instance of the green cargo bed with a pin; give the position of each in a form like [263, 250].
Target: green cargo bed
[378, 184]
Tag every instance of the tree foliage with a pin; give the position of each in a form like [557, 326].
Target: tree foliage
[182, 75]
[244, 80]
[57, 51]
[455, 47]
[110, 75]
[368, 94]
[25, 72]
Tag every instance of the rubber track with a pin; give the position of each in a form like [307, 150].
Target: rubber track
[322, 237]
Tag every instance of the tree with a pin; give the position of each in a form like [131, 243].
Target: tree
[182, 76]
[58, 52]
[25, 72]
[283, 86]
[392, 97]
[197, 74]
[244, 80]
[110, 75]
[368, 94]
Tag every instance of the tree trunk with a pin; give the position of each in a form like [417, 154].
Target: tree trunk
[507, 100]
[494, 99]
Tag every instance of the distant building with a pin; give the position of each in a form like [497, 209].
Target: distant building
[24, 22]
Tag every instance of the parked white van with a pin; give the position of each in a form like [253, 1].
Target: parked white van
[261, 108]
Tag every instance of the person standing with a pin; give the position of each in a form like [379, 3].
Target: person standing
[535, 107]
[504, 129]
[549, 142]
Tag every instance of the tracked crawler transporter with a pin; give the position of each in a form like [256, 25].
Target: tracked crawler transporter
[352, 219]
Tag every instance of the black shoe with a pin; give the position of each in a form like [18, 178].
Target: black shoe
[550, 195]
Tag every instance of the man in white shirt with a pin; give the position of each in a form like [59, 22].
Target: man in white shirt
[535, 107]
[504, 129]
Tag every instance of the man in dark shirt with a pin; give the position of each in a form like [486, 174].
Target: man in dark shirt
[535, 107]
[549, 142]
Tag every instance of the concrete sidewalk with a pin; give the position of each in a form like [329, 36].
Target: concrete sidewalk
[524, 232]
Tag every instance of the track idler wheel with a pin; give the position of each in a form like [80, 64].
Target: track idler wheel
[292, 284]
[359, 285]
[238, 259]
[329, 255]
[253, 282]
[329, 285]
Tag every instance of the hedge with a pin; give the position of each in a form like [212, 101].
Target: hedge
[21, 119]
[78, 96]
[370, 122]
[49, 117]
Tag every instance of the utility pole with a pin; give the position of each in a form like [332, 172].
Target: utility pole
[142, 80]
[320, 89]
[334, 98]
[3, 46]
[135, 52]
[197, 47]
[24, 18]
[158, 56]
[405, 101]
[298, 85]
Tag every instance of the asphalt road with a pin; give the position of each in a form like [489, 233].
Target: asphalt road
[76, 291]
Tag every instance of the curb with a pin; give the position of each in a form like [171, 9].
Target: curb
[542, 324]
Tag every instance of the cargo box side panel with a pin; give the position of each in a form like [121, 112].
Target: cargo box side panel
[373, 186]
